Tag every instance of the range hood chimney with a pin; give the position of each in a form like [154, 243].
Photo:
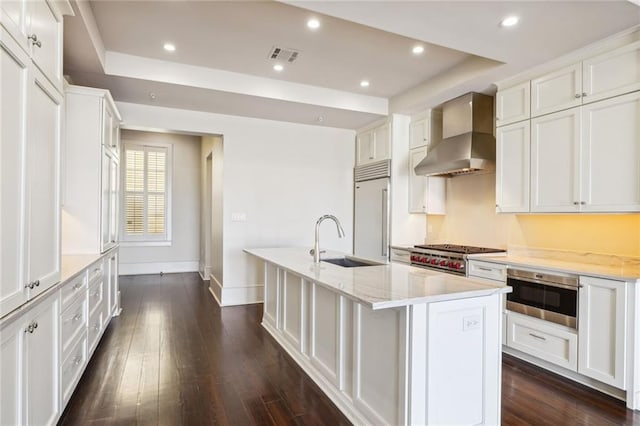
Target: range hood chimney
[467, 144]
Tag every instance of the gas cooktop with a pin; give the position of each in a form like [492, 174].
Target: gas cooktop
[453, 248]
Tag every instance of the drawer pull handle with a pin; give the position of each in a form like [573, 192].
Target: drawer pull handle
[77, 286]
[537, 337]
[76, 318]
[77, 360]
[96, 294]
[482, 268]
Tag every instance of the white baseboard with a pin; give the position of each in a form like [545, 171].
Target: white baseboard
[233, 296]
[157, 267]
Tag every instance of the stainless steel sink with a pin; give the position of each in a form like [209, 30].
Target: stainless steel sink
[349, 263]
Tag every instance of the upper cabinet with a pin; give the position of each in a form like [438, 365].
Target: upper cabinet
[584, 134]
[610, 74]
[91, 161]
[512, 104]
[425, 129]
[426, 194]
[36, 25]
[31, 117]
[373, 145]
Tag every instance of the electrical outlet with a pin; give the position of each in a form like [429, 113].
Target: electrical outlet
[472, 322]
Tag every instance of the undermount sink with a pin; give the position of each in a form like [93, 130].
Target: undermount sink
[348, 263]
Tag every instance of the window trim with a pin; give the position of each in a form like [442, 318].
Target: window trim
[145, 241]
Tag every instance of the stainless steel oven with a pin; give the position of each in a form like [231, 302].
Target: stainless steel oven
[550, 297]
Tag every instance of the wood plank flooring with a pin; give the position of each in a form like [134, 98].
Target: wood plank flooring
[174, 357]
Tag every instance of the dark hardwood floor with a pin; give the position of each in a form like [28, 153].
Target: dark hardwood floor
[174, 357]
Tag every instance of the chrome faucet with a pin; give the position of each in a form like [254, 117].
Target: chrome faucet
[316, 246]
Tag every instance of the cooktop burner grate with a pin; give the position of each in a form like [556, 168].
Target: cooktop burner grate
[454, 248]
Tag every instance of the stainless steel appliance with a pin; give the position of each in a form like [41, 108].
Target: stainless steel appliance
[448, 257]
[467, 144]
[371, 211]
[549, 297]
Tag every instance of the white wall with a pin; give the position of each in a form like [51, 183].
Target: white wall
[282, 176]
[184, 252]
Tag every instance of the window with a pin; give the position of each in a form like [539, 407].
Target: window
[146, 195]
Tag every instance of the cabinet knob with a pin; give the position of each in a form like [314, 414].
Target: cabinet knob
[578, 95]
[575, 203]
[583, 203]
[37, 283]
[34, 40]
[584, 94]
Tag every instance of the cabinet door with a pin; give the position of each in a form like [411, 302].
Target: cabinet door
[109, 207]
[419, 130]
[556, 91]
[42, 348]
[611, 74]
[13, 15]
[114, 289]
[365, 152]
[611, 155]
[555, 166]
[43, 186]
[417, 184]
[513, 157]
[602, 330]
[113, 202]
[13, 107]
[12, 375]
[382, 142]
[46, 51]
[513, 104]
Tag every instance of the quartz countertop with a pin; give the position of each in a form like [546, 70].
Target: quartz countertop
[626, 271]
[380, 286]
[74, 263]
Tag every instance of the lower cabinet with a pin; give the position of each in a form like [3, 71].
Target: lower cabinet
[29, 375]
[603, 327]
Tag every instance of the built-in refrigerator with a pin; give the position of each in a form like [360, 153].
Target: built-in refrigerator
[371, 211]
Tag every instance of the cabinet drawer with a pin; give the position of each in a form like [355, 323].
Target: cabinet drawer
[72, 367]
[96, 296]
[400, 255]
[557, 345]
[96, 271]
[488, 270]
[73, 323]
[73, 289]
[96, 326]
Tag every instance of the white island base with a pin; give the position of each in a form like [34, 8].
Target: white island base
[422, 363]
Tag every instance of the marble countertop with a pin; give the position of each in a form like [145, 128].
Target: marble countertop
[74, 263]
[381, 286]
[626, 271]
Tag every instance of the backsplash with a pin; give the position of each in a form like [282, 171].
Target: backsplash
[471, 219]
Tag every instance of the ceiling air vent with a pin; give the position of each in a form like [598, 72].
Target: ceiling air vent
[283, 54]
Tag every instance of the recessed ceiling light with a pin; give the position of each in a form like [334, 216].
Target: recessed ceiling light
[364, 83]
[313, 23]
[152, 96]
[278, 67]
[169, 47]
[509, 21]
[418, 49]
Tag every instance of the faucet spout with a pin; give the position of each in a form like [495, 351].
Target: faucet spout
[316, 245]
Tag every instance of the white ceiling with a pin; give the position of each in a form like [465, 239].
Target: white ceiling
[221, 63]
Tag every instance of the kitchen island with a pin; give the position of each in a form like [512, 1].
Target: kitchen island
[389, 344]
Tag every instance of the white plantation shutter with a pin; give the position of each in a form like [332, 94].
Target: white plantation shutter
[145, 192]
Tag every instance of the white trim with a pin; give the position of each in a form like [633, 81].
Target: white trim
[146, 243]
[158, 267]
[237, 295]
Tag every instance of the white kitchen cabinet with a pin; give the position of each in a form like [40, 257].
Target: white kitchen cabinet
[114, 285]
[14, 64]
[90, 219]
[373, 144]
[548, 341]
[29, 349]
[513, 104]
[42, 189]
[561, 89]
[293, 288]
[555, 162]
[36, 25]
[602, 330]
[611, 74]
[513, 160]
[425, 129]
[610, 153]
[426, 194]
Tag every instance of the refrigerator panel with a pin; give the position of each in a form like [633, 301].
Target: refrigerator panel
[371, 222]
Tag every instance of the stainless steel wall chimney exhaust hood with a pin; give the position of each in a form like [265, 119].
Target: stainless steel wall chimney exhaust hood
[467, 144]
